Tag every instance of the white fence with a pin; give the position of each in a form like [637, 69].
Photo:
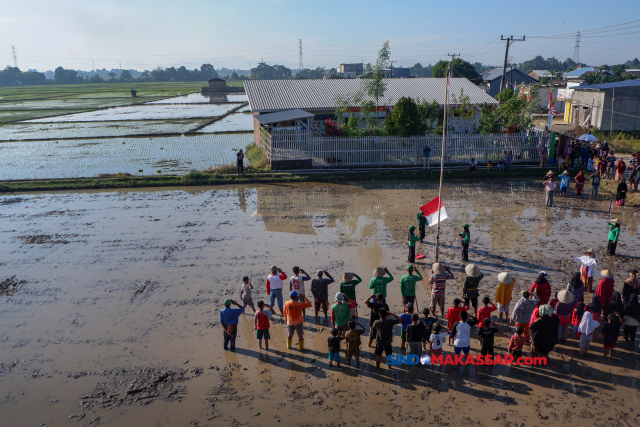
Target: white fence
[330, 152]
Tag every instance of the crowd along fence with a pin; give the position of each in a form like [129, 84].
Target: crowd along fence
[389, 151]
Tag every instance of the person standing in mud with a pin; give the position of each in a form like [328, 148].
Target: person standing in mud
[465, 238]
[408, 285]
[614, 235]
[296, 283]
[378, 282]
[320, 291]
[275, 283]
[228, 319]
[550, 188]
[348, 288]
[422, 224]
[503, 293]
[240, 157]
[411, 243]
[293, 315]
[587, 269]
[440, 273]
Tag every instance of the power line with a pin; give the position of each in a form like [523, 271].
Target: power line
[509, 41]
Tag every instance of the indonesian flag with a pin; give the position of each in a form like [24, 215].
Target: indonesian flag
[552, 110]
[430, 210]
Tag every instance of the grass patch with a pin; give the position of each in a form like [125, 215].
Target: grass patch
[257, 158]
[621, 142]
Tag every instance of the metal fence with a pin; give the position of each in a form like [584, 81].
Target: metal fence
[372, 151]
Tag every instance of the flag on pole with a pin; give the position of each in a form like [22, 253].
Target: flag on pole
[552, 110]
[430, 210]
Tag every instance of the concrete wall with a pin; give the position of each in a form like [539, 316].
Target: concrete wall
[626, 108]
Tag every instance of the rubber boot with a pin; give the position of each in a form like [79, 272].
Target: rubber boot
[301, 345]
[289, 343]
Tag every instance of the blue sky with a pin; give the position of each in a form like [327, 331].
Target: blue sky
[146, 34]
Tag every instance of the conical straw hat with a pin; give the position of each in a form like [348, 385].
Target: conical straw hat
[506, 278]
[472, 270]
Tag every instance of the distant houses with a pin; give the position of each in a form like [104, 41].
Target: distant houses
[513, 76]
[540, 74]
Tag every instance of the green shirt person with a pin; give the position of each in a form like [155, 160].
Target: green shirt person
[614, 231]
[340, 313]
[408, 282]
[379, 283]
[348, 284]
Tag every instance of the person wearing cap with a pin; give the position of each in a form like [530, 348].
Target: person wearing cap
[411, 242]
[542, 288]
[296, 283]
[275, 283]
[523, 310]
[293, 315]
[631, 285]
[320, 291]
[440, 273]
[605, 288]
[587, 270]
[465, 238]
[564, 310]
[549, 188]
[614, 234]
[470, 291]
[503, 293]
[379, 282]
[348, 287]
[564, 182]
[228, 319]
[408, 285]
[341, 313]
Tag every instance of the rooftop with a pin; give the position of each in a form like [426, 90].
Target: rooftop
[495, 73]
[276, 95]
[601, 86]
[581, 71]
[542, 73]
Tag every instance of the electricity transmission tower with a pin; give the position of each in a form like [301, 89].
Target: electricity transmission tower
[300, 64]
[576, 52]
[14, 54]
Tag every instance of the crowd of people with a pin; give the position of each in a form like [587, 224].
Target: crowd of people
[538, 321]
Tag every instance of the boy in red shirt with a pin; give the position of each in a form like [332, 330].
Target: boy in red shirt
[517, 343]
[453, 314]
[485, 312]
[262, 324]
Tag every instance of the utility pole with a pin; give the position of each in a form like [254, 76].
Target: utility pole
[444, 136]
[509, 41]
[300, 64]
[14, 54]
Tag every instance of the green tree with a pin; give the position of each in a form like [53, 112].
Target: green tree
[464, 109]
[126, 76]
[207, 72]
[459, 68]
[406, 119]
[440, 69]
[374, 85]
[112, 76]
[514, 114]
[598, 77]
[65, 76]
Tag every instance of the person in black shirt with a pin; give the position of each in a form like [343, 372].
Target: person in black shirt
[240, 157]
[595, 184]
[374, 305]
[333, 344]
[486, 335]
[415, 331]
[610, 333]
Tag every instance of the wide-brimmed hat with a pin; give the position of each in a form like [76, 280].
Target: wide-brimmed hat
[379, 272]
[615, 221]
[347, 277]
[607, 274]
[506, 279]
[472, 270]
[437, 268]
[588, 251]
[565, 297]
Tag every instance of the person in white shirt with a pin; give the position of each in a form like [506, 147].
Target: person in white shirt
[473, 165]
[275, 283]
[587, 270]
[436, 341]
[296, 283]
[461, 333]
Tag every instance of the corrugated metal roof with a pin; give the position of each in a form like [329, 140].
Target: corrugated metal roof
[282, 116]
[275, 95]
[626, 83]
[542, 73]
[496, 73]
[580, 71]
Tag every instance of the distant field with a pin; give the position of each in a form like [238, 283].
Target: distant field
[106, 89]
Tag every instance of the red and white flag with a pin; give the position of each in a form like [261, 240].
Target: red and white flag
[430, 210]
[552, 110]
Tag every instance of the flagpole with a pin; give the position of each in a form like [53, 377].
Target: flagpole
[444, 134]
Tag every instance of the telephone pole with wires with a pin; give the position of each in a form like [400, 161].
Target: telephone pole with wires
[14, 54]
[576, 52]
[509, 41]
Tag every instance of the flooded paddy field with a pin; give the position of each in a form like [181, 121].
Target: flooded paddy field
[138, 156]
[235, 122]
[204, 98]
[109, 306]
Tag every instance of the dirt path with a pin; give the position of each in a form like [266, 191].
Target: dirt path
[109, 307]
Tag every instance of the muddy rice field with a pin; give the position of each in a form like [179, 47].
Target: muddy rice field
[109, 305]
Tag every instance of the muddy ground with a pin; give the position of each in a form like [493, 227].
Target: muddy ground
[109, 306]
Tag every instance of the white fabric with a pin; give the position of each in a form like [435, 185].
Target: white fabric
[275, 281]
[433, 218]
[463, 331]
[437, 340]
[297, 284]
[588, 262]
[587, 324]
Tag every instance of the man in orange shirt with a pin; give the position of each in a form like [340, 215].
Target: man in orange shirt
[293, 310]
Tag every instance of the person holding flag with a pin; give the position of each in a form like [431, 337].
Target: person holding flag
[422, 224]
